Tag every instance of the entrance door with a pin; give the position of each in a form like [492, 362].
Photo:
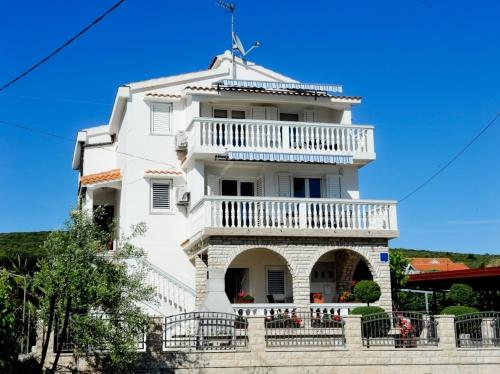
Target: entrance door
[235, 280]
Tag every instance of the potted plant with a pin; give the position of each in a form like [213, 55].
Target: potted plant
[317, 298]
[243, 298]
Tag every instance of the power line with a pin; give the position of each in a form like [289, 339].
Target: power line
[64, 45]
[452, 160]
[72, 141]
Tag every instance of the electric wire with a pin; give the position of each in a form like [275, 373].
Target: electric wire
[452, 160]
[60, 48]
[72, 141]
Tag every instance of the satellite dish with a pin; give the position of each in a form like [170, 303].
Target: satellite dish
[238, 45]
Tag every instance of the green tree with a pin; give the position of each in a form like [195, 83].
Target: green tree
[462, 294]
[8, 343]
[93, 293]
[398, 265]
[367, 291]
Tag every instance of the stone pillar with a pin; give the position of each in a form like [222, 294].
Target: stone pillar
[301, 291]
[352, 328]
[256, 334]
[446, 332]
[200, 281]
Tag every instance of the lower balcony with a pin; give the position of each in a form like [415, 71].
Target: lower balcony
[230, 215]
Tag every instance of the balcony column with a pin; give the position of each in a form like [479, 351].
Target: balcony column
[88, 204]
[301, 292]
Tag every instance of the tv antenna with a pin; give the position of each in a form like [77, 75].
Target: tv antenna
[236, 44]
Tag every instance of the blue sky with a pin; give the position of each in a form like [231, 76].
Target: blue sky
[428, 72]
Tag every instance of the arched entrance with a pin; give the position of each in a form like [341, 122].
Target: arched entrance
[260, 273]
[335, 273]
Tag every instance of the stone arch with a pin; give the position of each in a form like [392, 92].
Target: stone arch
[235, 252]
[369, 258]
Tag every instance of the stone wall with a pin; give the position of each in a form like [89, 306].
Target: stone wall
[301, 254]
[354, 358]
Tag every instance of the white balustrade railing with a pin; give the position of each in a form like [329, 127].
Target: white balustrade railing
[172, 295]
[216, 135]
[294, 213]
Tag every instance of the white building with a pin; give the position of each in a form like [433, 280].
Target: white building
[253, 180]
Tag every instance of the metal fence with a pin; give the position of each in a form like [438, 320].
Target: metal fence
[399, 329]
[478, 330]
[304, 329]
[204, 331]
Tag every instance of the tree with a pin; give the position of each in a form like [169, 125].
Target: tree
[462, 295]
[93, 294]
[8, 343]
[367, 291]
[398, 265]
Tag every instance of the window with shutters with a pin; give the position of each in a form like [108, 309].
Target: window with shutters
[276, 280]
[161, 196]
[161, 118]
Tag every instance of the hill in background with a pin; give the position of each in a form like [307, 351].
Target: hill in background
[30, 243]
[472, 260]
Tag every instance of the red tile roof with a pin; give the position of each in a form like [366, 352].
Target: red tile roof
[105, 176]
[436, 264]
[273, 92]
[163, 172]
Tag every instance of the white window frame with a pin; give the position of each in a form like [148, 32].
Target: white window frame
[230, 109]
[168, 182]
[277, 268]
[239, 181]
[171, 118]
[321, 183]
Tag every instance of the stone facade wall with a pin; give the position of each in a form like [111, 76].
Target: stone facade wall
[301, 254]
[354, 358]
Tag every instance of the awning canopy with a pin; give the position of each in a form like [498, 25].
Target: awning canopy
[286, 157]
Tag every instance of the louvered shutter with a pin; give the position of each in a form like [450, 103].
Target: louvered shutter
[259, 112]
[284, 182]
[271, 114]
[206, 110]
[276, 281]
[161, 118]
[259, 186]
[160, 196]
[309, 115]
[213, 185]
[334, 186]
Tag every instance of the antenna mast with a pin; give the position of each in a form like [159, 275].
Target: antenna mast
[231, 8]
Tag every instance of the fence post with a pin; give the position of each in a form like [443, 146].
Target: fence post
[446, 332]
[256, 334]
[352, 329]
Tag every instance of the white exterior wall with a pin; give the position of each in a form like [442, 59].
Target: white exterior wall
[137, 150]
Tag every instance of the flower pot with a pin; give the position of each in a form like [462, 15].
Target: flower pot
[243, 301]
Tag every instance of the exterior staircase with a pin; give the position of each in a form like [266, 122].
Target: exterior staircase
[172, 295]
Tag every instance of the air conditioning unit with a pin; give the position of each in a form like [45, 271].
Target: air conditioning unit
[182, 196]
[181, 141]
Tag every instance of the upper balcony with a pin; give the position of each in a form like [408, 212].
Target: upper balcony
[279, 141]
[271, 216]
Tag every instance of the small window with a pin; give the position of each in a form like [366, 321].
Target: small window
[276, 280]
[290, 117]
[160, 196]
[220, 113]
[161, 118]
[238, 114]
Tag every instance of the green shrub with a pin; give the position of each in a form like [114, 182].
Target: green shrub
[365, 310]
[457, 310]
[367, 291]
[462, 294]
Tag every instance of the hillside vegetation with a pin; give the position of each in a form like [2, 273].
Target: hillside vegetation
[472, 260]
[30, 243]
